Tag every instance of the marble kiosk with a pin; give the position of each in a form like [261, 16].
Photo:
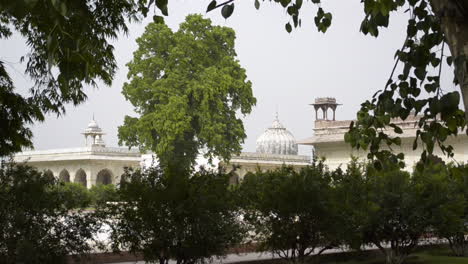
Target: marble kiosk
[93, 164]
[328, 138]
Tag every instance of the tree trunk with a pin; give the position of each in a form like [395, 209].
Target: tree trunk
[392, 257]
[453, 15]
[459, 245]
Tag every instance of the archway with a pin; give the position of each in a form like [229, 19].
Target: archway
[104, 177]
[64, 176]
[80, 177]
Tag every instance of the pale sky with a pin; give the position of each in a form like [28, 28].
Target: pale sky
[288, 71]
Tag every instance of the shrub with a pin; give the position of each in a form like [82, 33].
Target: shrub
[36, 225]
[101, 194]
[75, 195]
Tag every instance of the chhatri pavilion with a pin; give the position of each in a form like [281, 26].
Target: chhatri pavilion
[328, 138]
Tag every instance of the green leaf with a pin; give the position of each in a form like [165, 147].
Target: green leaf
[299, 3]
[288, 27]
[211, 6]
[158, 19]
[449, 60]
[257, 4]
[162, 5]
[227, 10]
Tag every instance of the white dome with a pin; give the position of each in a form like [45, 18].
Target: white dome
[93, 127]
[93, 124]
[277, 140]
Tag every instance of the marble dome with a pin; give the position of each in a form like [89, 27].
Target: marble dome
[93, 127]
[277, 140]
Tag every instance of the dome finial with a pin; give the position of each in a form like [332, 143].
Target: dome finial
[276, 113]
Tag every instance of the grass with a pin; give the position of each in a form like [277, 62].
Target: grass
[424, 255]
[434, 255]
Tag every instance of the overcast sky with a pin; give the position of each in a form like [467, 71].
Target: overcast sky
[287, 70]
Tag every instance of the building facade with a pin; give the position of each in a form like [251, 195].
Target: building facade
[328, 139]
[93, 164]
[98, 164]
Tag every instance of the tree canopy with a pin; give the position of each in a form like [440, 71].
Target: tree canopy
[187, 88]
[292, 213]
[431, 24]
[186, 219]
[69, 49]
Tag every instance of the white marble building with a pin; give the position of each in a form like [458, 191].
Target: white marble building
[93, 164]
[328, 139]
[98, 164]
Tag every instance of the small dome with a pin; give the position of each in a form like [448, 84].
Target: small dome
[93, 127]
[93, 124]
[277, 140]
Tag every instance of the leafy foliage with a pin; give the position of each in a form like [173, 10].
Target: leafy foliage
[187, 87]
[163, 216]
[352, 190]
[440, 115]
[75, 195]
[431, 24]
[103, 193]
[36, 225]
[393, 212]
[69, 49]
[291, 213]
[446, 187]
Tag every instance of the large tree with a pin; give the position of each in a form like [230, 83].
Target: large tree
[187, 88]
[292, 213]
[186, 219]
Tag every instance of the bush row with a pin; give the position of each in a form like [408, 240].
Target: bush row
[191, 217]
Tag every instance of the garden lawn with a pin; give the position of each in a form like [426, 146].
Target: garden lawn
[433, 256]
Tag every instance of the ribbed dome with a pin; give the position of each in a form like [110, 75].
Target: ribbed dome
[93, 127]
[277, 140]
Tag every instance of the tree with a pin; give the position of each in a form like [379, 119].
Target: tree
[187, 87]
[36, 223]
[291, 212]
[351, 198]
[457, 230]
[395, 215]
[69, 48]
[446, 190]
[188, 219]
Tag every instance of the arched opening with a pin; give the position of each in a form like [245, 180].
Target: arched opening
[64, 176]
[324, 113]
[104, 177]
[330, 114]
[80, 177]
